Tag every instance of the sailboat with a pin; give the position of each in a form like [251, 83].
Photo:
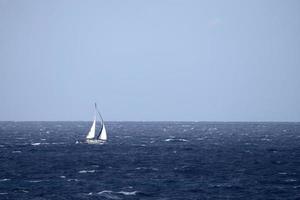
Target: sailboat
[91, 137]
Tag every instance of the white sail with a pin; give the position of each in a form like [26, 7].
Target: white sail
[103, 135]
[91, 134]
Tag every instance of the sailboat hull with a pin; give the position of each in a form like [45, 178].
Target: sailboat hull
[95, 141]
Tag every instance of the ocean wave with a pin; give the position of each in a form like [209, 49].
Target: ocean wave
[265, 139]
[283, 173]
[4, 179]
[86, 171]
[114, 195]
[3, 193]
[105, 191]
[147, 168]
[58, 143]
[39, 143]
[211, 129]
[290, 180]
[35, 181]
[73, 179]
[16, 151]
[128, 193]
[108, 194]
[175, 140]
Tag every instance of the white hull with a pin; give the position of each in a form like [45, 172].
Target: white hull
[95, 141]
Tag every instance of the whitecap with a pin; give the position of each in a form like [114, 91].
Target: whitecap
[105, 191]
[128, 193]
[182, 140]
[283, 173]
[265, 139]
[185, 125]
[73, 179]
[4, 179]
[129, 187]
[57, 143]
[43, 139]
[86, 171]
[35, 144]
[145, 168]
[212, 129]
[35, 181]
[62, 176]
[108, 194]
[290, 180]
[175, 140]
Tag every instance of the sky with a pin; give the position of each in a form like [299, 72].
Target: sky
[150, 60]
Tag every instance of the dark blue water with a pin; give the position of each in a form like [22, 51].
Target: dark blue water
[150, 160]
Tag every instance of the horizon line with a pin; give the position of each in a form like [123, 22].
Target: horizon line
[195, 121]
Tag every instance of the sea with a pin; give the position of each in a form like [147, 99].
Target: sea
[150, 160]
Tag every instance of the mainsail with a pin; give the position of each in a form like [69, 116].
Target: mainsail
[102, 135]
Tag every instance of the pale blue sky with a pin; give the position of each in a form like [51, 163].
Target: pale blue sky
[150, 60]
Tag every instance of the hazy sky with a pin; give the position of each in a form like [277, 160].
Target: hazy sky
[150, 60]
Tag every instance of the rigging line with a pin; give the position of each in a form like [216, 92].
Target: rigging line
[98, 113]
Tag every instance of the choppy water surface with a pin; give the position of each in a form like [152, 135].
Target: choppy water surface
[150, 160]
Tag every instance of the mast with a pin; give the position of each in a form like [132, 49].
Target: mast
[98, 113]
